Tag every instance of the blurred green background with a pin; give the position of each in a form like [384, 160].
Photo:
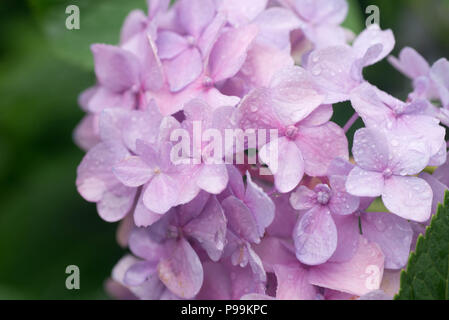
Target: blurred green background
[44, 224]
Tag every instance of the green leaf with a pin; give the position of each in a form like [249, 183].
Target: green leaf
[100, 22]
[427, 274]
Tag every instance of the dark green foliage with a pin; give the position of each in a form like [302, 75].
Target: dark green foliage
[427, 274]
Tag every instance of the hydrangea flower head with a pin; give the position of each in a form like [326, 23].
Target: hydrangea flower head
[381, 171]
[196, 87]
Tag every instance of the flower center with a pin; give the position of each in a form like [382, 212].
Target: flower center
[208, 82]
[191, 41]
[387, 173]
[172, 232]
[323, 194]
[135, 88]
[291, 132]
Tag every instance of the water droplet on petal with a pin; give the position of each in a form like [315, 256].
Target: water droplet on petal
[316, 71]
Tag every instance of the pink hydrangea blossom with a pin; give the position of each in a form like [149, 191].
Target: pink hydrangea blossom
[296, 219]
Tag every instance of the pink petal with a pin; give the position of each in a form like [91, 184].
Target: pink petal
[146, 244]
[331, 11]
[236, 182]
[294, 95]
[211, 34]
[245, 281]
[293, 283]
[319, 116]
[217, 284]
[370, 37]
[124, 230]
[112, 124]
[326, 35]
[256, 264]
[94, 174]
[170, 44]
[183, 69]
[364, 183]
[195, 15]
[150, 156]
[240, 13]
[440, 157]
[340, 167]
[439, 74]
[256, 296]
[193, 209]
[262, 63]
[391, 282]
[438, 188]
[133, 171]
[260, 204]
[315, 236]
[157, 7]
[408, 197]
[337, 295]
[216, 99]
[360, 275]
[135, 22]
[442, 173]
[182, 271]
[273, 252]
[139, 272]
[223, 281]
[331, 68]
[151, 71]
[150, 289]
[409, 155]
[188, 187]
[142, 216]
[303, 198]
[240, 219]
[289, 171]
[161, 193]
[230, 51]
[370, 107]
[348, 235]
[85, 96]
[341, 202]
[370, 150]
[146, 126]
[116, 69]
[275, 25]
[284, 219]
[105, 98]
[116, 203]
[167, 126]
[392, 234]
[209, 228]
[320, 145]
[256, 110]
[197, 109]
[86, 134]
[213, 178]
[410, 63]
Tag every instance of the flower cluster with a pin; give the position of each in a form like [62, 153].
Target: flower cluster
[227, 230]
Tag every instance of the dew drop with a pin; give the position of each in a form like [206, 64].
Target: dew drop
[316, 71]
[380, 225]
